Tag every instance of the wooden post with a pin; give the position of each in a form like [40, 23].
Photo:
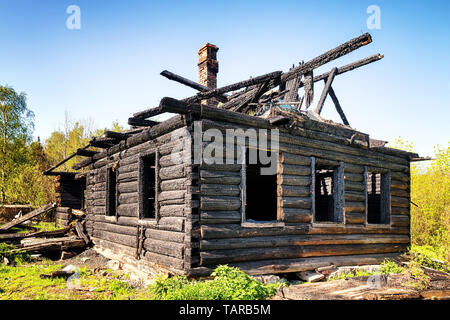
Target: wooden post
[243, 185]
[313, 188]
[338, 106]
[157, 180]
[325, 90]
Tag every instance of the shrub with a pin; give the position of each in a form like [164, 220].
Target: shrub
[14, 258]
[228, 284]
[430, 193]
[427, 256]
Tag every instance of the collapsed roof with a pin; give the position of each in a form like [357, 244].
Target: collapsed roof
[273, 97]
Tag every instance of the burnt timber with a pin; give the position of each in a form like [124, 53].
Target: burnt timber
[198, 215]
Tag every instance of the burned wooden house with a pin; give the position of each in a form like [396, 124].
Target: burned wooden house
[172, 195]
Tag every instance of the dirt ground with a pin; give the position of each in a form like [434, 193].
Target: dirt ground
[88, 258]
[383, 287]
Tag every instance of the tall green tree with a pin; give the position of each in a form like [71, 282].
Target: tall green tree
[16, 126]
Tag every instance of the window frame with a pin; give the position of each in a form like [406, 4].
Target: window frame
[141, 182]
[243, 186]
[338, 194]
[111, 169]
[385, 196]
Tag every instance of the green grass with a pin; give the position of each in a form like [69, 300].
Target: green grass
[16, 258]
[430, 257]
[228, 284]
[386, 267]
[23, 282]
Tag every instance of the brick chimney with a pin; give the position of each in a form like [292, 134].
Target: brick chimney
[208, 67]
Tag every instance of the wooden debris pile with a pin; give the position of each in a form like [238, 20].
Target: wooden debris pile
[275, 96]
[70, 238]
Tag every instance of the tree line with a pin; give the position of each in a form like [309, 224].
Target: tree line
[23, 161]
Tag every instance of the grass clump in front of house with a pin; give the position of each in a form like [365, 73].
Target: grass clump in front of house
[14, 258]
[428, 257]
[24, 282]
[386, 267]
[228, 284]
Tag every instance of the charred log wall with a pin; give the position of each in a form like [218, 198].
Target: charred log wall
[298, 240]
[161, 241]
[70, 192]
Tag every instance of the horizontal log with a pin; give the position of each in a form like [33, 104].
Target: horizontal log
[173, 159]
[173, 172]
[300, 264]
[340, 156]
[353, 177]
[400, 221]
[128, 198]
[214, 203]
[294, 215]
[400, 202]
[162, 235]
[175, 184]
[354, 196]
[132, 167]
[137, 142]
[395, 184]
[116, 228]
[351, 168]
[326, 162]
[291, 180]
[175, 194]
[127, 210]
[170, 249]
[354, 186]
[400, 193]
[219, 190]
[160, 259]
[220, 177]
[294, 159]
[172, 210]
[295, 202]
[301, 240]
[294, 191]
[212, 217]
[236, 231]
[221, 167]
[355, 207]
[344, 149]
[400, 210]
[127, 187]
[355, 218]
[289, 169]
[400, 176]
[171, 224]
[123, 239]
[214, 257]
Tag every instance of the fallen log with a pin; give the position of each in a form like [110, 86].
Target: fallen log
[235, 86]
[27, 217]
[80, 232]
[57, 274]
[328, 56]
[190, 83]
[45, 245]
[135, 122]
[20, 236]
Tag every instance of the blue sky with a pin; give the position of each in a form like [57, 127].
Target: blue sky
[110, 68]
